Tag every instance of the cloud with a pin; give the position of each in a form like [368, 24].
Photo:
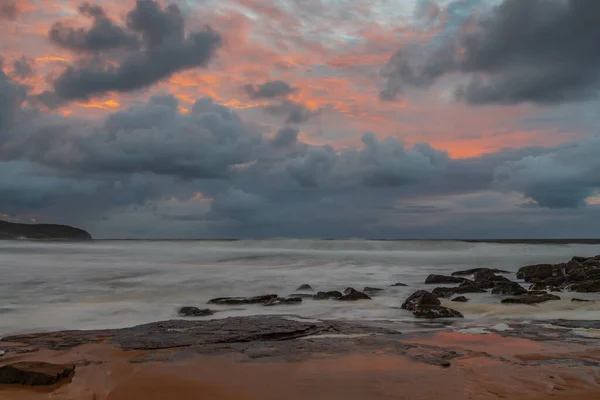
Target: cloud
[8, 9]
[294, 113]
[269, 90]
[562, 177]
[12, 96]
[537, 51]
[166, 50]
[103, 35]
[24, 67]
[285, 137]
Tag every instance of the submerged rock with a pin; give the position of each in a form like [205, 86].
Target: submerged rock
[243, 300]
[460, 299]
[509, 289]
[433, 279]
[582, 300]
[305, 288]
[334, 294]
[399, 285]
[476, 270]
[35, 373]
[283, 301]
[420, 298]
[434, 312]
[372, 290]
[302, 295]
[530, 299]
[354, 296]
[195, 312]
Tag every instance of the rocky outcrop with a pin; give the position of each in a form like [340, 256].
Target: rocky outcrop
[354, 296]
[463, 289]
[586, 287]
[10, 230]
[283, 301]
[436, 279]
[35, 373]
[231, 301]
[460, 299]
[436, 312]
[540, 272]
[477, 270]
[334, 294]
[195, 312]
[530, 299]
[509, 289]
[420, 298]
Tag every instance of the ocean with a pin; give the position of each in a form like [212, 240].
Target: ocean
[111, 284]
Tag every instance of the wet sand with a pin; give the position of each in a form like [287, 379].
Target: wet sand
[491, 367]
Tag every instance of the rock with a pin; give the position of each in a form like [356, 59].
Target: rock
[443, 291]
[509, 289]
[283, 301]
[536, 292]
[372, 290]
[35, 373]
[399, 285]
[10, 230]
[460, 299]
[302, 295]
[305, 288]
[433, 279]
[420, 298]
[476, 270]
[449, 292]
[580, 259]
[488, 276]
[349, 290]
[586, 287]
[243, 300]
[194, 312]
[530, 299]
[334, 294]
[354, 296]
[539, 272]
[434, 312]
[582, 301]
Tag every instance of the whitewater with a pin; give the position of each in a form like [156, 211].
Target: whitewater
[113, 284]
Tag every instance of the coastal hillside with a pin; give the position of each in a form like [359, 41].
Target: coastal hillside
[10, 230]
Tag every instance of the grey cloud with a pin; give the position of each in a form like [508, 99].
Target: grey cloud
[24, 67]
[269, 90]
[294, 113]
[427, 10]
[562, 177]
[538, 51]
[12, 96]
[103, 35]
[166, 51]
[8, 9]
[285, 137]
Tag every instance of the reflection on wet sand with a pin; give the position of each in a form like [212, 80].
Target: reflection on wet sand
[494, 367]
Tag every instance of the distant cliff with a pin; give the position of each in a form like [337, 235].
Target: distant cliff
[10, 230]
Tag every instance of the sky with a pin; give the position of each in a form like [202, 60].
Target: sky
[317, 118]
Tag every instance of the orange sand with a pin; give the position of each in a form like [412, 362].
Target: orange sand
[348, 377]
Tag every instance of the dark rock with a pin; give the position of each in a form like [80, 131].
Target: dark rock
[398, 284]
[434, 279]
[35, 373]
[530, 299]
[463, 289]
[580, 259]
[582, 300]
[243, 300]
[539, 272]
[476, 270]
[10, 230]
[586, 287]
[283, 301]
[372, 290]
[509, 289]
[536, 292]
[420, 298]
[434, 312]
[443, 291]
[302, 295]
[194, 312]
[305, 288]
[350, 290]
[334, 294]
[354, 296]
[460, 299]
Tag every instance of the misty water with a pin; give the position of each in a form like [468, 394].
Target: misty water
[109, 284]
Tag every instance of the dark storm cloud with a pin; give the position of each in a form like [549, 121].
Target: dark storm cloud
[8, 9]
[12, 96]
[294, 113]
[285, 137]
[562, 177]
[269, 90]
[103, 35]
[539, 51]
[24, 67]
[166, 50]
